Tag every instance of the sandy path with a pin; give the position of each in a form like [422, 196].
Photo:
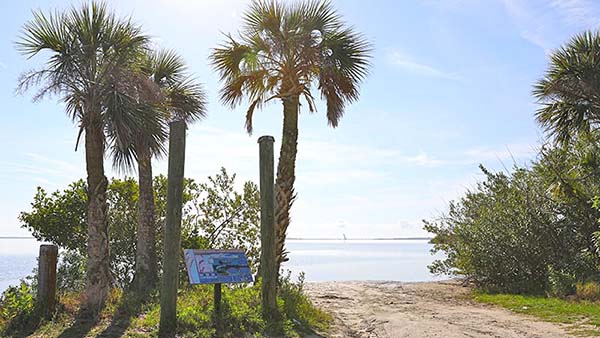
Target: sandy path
[419, 310]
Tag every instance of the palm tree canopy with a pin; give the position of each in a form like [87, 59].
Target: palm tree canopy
[569, 93]
[92, 65]
[286, 48]
[185, 97]
[182, 98]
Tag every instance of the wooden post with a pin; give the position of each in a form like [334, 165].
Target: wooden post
[172, 232]
[46, 294]
[268, 264]
[217, 299]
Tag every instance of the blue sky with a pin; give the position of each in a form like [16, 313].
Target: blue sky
[449, 89]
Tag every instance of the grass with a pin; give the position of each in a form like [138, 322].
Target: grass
[125, 316]
[580, 317]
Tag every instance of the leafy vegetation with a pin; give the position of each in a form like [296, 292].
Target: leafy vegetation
[530, 231]
[125, 315]
[536, 229]
[17, 308]
[215, 215]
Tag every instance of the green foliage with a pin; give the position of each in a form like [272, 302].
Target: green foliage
[240, 313]
[299, 311]
[59, 217]
[560, 283]
[529, 231]
[568, 92]
[70, 274]
[579, 317]
[216, 215]
[17, 308]
[287, 48]
[588, 291]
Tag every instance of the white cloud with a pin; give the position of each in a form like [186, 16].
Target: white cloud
[548, 24]
[422, 159]
[404, 61]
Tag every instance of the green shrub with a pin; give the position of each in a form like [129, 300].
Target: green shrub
[492, 236]
[561, 283]
[216, 215]
[297, 307]
[532, 230]
[588, 291]
[17, 308]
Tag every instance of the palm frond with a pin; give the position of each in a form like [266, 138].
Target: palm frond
[187, 100]
[285, 47]
[569, 93]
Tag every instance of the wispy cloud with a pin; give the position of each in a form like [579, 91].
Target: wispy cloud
[548, 24]
[423, 159]
[406, 62]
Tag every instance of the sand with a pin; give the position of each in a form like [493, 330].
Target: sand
[419, 310]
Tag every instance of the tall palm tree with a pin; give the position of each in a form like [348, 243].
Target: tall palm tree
[569, 92]
[91, 66]
[283, 50]
[182, 98]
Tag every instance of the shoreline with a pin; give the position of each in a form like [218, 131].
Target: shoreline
[391, 309]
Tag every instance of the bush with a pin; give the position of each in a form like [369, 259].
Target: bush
[530, 231]
[298, 309]
[17, 308]
[561, 283]
[588, 291]
[215, 215]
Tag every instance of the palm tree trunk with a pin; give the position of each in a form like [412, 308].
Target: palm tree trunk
[146, 275]
[98, 269]
[286, 168]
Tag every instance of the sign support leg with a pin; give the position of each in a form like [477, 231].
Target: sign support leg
[217, 298]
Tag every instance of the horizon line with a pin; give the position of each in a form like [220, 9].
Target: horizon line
[359, 239]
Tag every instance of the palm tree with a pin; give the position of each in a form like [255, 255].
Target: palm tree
[285, 49]
[91, 65]
[569, 92]
[182, 98]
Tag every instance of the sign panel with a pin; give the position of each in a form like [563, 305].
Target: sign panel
[217, 266]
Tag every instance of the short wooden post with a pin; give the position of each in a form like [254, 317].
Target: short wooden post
[268, 264]
[46, 294]
[172, 232]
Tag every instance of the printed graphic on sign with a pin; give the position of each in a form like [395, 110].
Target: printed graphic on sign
[217, 266]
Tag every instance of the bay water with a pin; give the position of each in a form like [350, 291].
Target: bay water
[320, 260]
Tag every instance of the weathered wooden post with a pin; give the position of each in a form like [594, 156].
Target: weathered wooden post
[268, 265]
[172, 232]
[46, 294]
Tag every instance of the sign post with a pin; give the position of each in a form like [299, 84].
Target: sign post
[217, 267]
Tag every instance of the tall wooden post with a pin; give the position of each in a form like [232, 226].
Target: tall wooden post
[46, 294]
[172, 232]
[268, 264]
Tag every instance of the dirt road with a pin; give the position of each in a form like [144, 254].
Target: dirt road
[420, 310]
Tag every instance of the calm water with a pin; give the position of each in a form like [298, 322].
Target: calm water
[402, 260]
[320, 260]
[18, 257]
